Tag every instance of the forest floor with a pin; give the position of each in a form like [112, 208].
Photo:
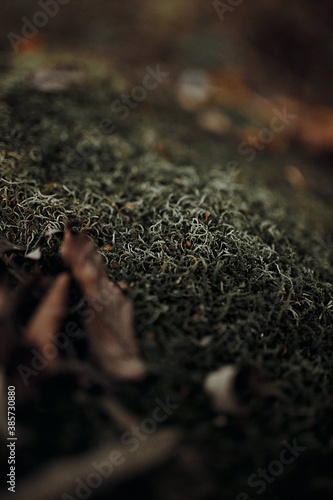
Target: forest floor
[210, 216]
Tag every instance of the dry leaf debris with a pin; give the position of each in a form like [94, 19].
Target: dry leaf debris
[109, 326]
[48, 319]
[110, 329]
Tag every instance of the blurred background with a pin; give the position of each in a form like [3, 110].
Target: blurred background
[234, 55]
[291, 42]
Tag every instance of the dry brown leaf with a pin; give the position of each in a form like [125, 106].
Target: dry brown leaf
[47, 320]
[110, 326]
[312, 126]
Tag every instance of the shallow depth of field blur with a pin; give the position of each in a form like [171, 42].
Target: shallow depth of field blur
[242, 57]
[246, 101]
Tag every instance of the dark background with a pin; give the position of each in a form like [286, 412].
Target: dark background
[282, 48]
[289, 44]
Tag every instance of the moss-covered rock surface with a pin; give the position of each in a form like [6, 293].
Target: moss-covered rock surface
[220, 269]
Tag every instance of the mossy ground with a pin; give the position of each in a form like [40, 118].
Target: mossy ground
[206, 252]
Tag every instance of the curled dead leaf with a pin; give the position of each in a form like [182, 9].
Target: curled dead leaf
[110, 323]
[47, 320]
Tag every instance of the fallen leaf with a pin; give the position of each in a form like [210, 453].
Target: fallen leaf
[315, 127]
[47, 320]
[110, 328]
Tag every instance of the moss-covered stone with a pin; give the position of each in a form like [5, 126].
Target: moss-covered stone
[208, 252]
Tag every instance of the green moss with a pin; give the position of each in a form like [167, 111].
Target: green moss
[253, 273]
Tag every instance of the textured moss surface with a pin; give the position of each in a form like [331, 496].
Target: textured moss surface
[207, 252]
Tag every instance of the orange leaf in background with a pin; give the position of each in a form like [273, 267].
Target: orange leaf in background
[38, 42]
[315, 128]
[229, 89]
